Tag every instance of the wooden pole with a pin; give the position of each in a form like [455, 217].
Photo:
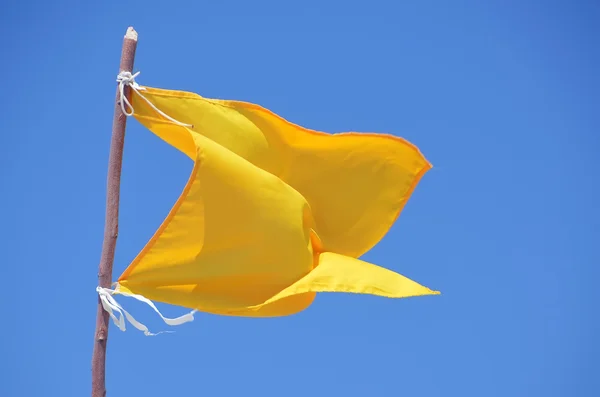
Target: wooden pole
[111, 225]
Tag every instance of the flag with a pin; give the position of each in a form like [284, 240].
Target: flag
[272, 212]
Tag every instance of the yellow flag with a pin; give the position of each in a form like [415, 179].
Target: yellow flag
[272, 212]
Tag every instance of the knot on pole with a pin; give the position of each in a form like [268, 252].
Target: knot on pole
[127, 79]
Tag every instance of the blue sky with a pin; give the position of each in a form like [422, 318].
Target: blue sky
[501, 96]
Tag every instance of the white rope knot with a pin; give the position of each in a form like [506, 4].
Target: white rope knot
[126, 79]
[111, 306]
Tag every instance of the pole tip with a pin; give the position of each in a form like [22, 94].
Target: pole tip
[131, 34]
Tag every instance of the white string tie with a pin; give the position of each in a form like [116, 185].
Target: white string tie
[111, 306]
[127, 79]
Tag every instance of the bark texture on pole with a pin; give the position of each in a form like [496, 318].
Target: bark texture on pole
[111, 226]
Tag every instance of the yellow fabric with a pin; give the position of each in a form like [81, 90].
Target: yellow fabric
[272, 212]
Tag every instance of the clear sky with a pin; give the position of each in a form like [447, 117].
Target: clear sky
[503, 97]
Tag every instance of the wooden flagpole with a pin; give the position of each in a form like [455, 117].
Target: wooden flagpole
[111, 225]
